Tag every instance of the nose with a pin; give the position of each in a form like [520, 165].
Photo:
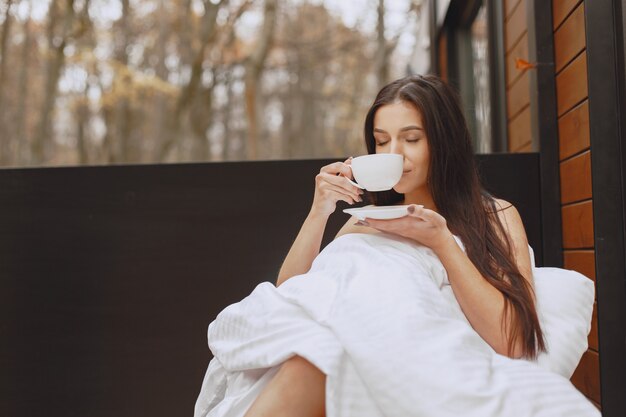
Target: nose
[396, 147]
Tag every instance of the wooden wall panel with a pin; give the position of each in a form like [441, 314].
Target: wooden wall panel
[587, 375]
[561, 9]
[515, 26]
[517, 81]
[574, 131]
[519, 130]
[520, 50]
[571, 84]
[583, 261]
[518, 96]
[577, 222]
[570, 60]
[569, 40]
[576, 178]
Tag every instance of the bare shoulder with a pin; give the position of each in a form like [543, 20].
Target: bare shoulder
[511, 220]
[516, 233]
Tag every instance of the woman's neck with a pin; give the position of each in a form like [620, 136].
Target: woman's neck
[420, 196]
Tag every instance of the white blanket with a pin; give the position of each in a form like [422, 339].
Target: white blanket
[377, 315]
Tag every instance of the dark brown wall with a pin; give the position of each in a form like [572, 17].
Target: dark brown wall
[111, 275]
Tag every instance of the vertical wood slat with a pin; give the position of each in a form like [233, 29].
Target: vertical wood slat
[587, 376]
[515, 26]
[574, 131]
[569, 39]
[519, 130]
[520, 50]
[577, 221]
[583, 261]
[560, 10]
[518, 96]
[571, 84]
[576, 178]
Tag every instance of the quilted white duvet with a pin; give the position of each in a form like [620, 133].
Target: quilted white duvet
[377, 315]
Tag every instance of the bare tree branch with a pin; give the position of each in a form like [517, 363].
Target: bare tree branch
[5, 139]
[254, 68]
[208, 32]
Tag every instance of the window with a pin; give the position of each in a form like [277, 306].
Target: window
[468, 41]
[482, 102]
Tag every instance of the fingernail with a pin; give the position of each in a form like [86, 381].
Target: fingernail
[361, 223]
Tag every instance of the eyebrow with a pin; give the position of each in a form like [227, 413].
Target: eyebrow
[404, 129]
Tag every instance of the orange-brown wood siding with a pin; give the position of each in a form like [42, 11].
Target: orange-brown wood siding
[574, 146]
[517, 82]
[570, 64]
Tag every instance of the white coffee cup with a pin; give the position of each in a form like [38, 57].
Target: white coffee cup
[377, 172]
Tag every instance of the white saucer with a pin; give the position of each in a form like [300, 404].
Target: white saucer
[382, 213]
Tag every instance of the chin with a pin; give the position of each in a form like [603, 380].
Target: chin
[400, 188]
[404, 187]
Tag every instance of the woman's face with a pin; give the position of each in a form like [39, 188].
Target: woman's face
[398, 128]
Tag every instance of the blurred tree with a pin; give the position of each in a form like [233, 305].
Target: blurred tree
[385, 47]
[4, 40]
[254, 67]
[208, 31]
[22, 147]
[61, 19]
[122, 81]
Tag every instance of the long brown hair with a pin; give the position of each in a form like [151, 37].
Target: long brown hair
[470, 211]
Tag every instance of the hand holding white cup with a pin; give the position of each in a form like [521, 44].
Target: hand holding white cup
[377, 172]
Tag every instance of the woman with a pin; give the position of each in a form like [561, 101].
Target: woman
[479, 240]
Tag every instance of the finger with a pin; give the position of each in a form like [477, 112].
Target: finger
[383, 225]
[418, 211]
[343, 183]
[412, 208]
[338, 195]
[346, 170]
[348, 166]
[338, 168]
[335, 191]
[333, 168]
[350, 174]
